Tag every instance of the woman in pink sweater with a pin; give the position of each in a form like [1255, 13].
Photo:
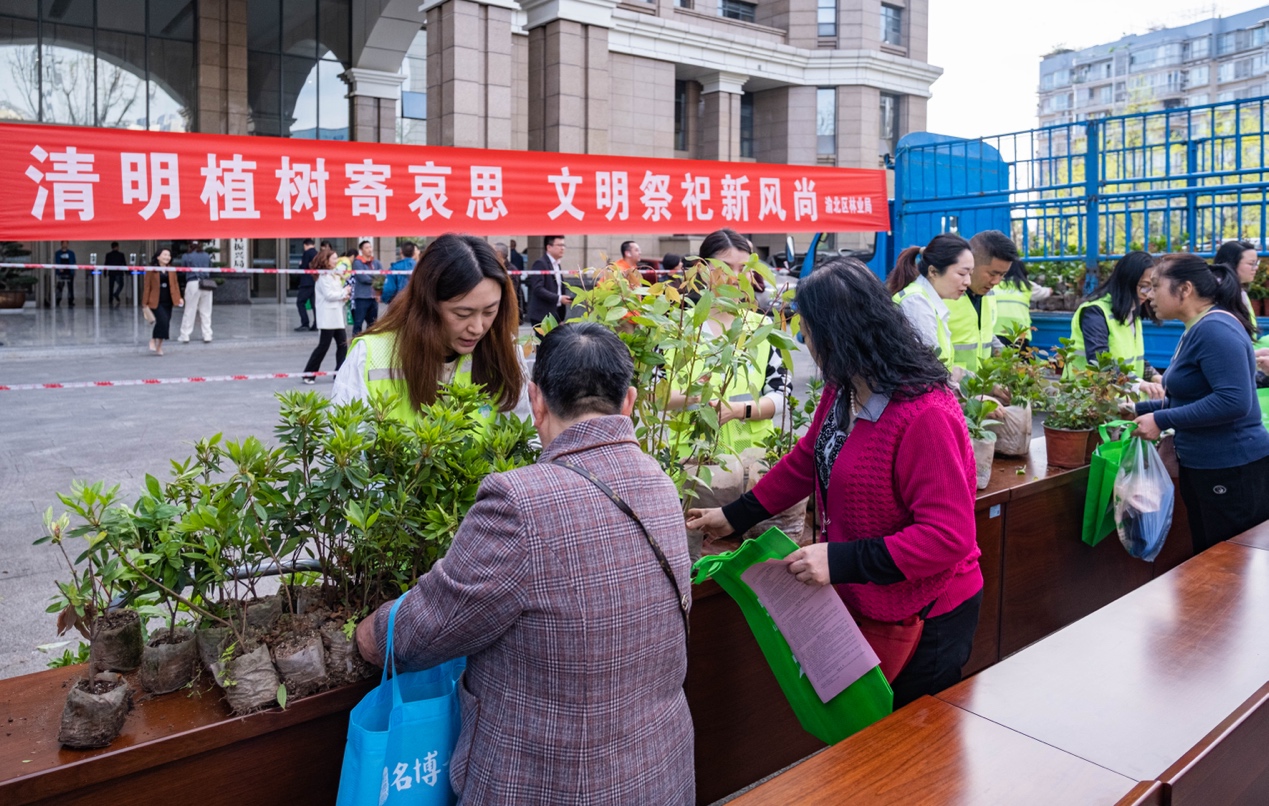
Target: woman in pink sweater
[889, 462]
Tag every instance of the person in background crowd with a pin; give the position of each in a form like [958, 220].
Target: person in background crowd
[671, 265]
[576, 658]
[517, 258]
[330, 294]
[305, 294]
[365, 306]
[456, 318]
[500, 249]
[161, 291]
[973, 316]
[395, 283]
[744, 422]
[889, 462]
[521, 281]
[629, 263]
[923, 278]
[115, 258]
[198, 300]
[1110, 320]
[1242, 258]
[1014, 296]
[1222, 446]
[65, 278]
[546, 283]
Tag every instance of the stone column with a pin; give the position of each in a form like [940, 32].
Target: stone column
[569, 87]
[221, 97]
[720, 125]
[469, 73]
[373, 97]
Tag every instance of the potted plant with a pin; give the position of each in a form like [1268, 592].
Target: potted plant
[14, 282]
[1080, 403]
[1015, 378]
[976, 405]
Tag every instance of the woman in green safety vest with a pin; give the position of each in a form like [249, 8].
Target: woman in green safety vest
[1014, 296]
[746, 419]
[1241, 257]
[456, 318]
[923, 278]
[1110, 320]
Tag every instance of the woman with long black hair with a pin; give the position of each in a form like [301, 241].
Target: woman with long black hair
[922, 278]
[1241, 258]
[888, 460]
[1110, 319]
[456, 318]
[1222, 446]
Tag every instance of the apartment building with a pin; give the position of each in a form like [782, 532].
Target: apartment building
[788, 81]
[1213, 61]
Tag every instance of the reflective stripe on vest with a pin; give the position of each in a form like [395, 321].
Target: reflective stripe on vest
[941, 333]
[1126, 341]
[382, 377]
[972, 332]
[1013, 307]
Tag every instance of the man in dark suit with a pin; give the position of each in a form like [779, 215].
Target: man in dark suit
[304, 296]
[546, 285]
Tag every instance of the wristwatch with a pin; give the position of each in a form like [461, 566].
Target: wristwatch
[748, 410]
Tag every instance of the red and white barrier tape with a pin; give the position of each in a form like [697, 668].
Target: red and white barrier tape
[230, 270]
[26, 387]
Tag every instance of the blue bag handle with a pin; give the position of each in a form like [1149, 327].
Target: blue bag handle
[389, 654]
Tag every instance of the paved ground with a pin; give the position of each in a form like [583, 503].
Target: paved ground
[51, 437]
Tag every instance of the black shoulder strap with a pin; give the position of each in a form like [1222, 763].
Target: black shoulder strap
[683, 601]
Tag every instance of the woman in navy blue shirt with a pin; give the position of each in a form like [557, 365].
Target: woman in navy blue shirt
[1221, 444]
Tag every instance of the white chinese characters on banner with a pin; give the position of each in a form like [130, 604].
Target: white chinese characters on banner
[151, 179]
[229, 189]
[612, 194]
[769, 202]
[656, 196]
[735, 198]
[565, 189]
[429, 189]
[695, 193]
[71, 177]
[486, 193]
[847, 204]
[367, 188]
[302, 186]
[804, 200]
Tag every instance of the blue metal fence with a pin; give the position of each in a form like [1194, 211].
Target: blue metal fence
[1178, 179]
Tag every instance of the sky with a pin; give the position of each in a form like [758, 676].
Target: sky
[990, 50]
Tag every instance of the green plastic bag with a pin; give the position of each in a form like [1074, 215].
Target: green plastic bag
[864, 702]
[1263, 396]
[1099, 518]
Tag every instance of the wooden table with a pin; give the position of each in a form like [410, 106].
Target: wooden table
[933, 753]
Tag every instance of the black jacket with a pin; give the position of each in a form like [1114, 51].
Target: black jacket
[544, 292]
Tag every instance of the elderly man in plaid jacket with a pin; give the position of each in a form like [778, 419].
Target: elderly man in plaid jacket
[572, 618]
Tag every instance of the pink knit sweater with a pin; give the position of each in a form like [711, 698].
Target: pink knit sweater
[908, 478]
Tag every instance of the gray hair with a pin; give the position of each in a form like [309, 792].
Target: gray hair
[501, 249]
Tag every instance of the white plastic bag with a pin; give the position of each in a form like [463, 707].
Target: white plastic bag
[1143, 500]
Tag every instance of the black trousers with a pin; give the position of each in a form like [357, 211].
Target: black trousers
[340, 337]
[116, 285]
[365, 312]
[302, 298]
[1225, 502]
[944, 648]
[65, 279]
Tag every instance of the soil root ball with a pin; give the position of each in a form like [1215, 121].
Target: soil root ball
[169, 663]
[344, 663]
[301, 663]
[116, 643]
[250, 682]
[94, 712]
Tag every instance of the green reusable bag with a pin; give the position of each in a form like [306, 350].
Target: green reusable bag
[1099, 519]
[864, 702]
[1263, 396]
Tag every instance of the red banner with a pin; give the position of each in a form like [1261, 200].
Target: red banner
[72, 183]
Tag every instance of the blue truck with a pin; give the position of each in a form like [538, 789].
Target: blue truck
[1082, 194]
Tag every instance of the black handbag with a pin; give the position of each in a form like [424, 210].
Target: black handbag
[207, 284]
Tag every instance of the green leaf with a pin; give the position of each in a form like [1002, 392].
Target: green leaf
[282, 696]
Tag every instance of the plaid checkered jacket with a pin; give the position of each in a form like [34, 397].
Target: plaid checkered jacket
[575, 648]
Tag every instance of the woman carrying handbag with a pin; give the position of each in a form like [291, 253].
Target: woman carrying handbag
[329, 295]
[161, 291]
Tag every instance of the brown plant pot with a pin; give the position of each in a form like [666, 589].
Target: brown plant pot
[1066, 448]
[12, 299]
[94, 712]
[116, 641]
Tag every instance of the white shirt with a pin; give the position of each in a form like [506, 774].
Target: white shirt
[924, 311]
[559, 276]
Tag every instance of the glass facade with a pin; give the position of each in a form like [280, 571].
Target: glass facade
[826, 122]
[126, 64]
[412, 124]
[889, 134]
[296, 51]
[746, 125]
[892, 25]
[826, 17]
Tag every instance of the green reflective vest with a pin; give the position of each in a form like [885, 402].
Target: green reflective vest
[382, 376]
[1013, 307]
[972, 331]
[942, 334]
[1126, 341]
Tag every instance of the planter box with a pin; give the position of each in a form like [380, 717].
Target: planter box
[235, 290]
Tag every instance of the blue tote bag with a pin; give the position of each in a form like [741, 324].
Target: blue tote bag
[401, 736]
